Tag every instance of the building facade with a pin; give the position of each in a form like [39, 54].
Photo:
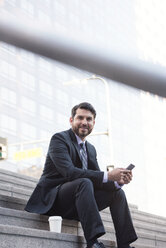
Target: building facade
[37, 94]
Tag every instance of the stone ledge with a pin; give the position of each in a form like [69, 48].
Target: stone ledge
[31, 238]
[18, 182]
[17, 175]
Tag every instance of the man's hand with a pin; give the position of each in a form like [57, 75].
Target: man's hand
[122, 176]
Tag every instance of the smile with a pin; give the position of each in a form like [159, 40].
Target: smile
[84, 128]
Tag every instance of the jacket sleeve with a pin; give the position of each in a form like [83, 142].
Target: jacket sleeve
[59, 153]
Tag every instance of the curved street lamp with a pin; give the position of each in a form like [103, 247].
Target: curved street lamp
[108, 107]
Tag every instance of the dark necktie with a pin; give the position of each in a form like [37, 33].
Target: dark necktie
[83, 156]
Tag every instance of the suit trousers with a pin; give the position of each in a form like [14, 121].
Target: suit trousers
[79, 200]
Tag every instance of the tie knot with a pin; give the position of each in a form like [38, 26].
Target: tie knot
[82, 145]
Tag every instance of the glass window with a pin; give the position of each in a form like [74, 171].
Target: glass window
[45, 89]
[44, 18]
[62, 120]
[12, 2]
[46, 113]
[28, 7]
[8, 124]
[7, 69]
[3, 67]
[8, 48]
[45, 65]
[62, 96]
[8, 96]
[27, 57]
[151, 31]
[12, 70]
[59, 8]
[28, 80]
[47, 2]
[28, 131]
[60, 28]
[28, 105]
[60, 73]
[74, 20]
[45, 134]
[74, 101]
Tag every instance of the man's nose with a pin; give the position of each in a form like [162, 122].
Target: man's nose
[84, 121]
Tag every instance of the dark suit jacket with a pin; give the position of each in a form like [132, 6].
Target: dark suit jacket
[63, 164]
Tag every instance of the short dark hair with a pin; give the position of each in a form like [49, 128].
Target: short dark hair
[83, 105]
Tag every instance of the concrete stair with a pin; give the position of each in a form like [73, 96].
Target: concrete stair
[24, 230]
[18, 237]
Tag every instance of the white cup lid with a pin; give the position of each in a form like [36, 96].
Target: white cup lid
[55, 218]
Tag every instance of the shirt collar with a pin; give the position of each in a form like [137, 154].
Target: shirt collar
[79, 140]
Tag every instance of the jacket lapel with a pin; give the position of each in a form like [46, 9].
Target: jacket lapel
[74, 141]
[92, 164]
[89, 151]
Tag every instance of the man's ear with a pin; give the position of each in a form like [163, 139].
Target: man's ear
[71, 120]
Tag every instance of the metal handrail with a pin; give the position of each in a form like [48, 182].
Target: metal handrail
[130, 71]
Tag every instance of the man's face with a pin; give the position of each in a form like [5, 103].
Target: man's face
[82, 123]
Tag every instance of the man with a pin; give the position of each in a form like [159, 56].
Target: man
[73, 186]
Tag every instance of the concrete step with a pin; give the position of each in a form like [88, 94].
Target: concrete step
[18, 181]
[148, 227]
[21, 186]
[143, 246]
[14, 191]
[141, 223]
[152, 218]
[12, 202]
[141, 217]
[19, 237]
[35, 221]
[13, 175]
[144, 238]
[23, 219]
[17, 192]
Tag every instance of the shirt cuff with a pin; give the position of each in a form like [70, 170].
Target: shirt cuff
[117, 185]
[105, 180]
[105, 177]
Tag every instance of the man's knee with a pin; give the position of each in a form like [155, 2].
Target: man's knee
[85, 183]
[120, 194]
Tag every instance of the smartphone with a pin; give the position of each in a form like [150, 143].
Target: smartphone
[130, 167]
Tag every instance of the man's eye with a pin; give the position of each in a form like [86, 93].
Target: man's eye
[89, 119]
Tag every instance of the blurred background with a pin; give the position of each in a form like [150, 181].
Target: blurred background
[37, 94]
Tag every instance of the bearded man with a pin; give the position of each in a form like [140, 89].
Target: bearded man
[73, 186]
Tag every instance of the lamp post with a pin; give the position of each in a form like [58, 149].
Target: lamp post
[108, 108]
[107, 132]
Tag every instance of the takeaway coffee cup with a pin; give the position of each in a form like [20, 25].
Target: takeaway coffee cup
[55, 223]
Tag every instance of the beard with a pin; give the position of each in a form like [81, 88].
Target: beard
[82, 131]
